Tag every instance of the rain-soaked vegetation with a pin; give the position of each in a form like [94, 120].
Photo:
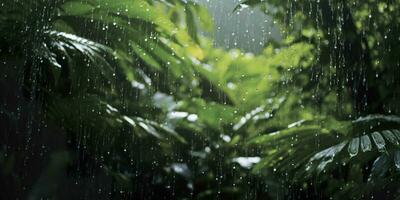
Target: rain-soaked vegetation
[199, 99]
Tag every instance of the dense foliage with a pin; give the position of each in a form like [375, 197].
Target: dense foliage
[122, 99]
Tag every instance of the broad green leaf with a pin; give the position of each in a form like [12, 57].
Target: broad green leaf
[145, 56]
[77, 8]
[204, 18]
[150, 129]
[137, 9]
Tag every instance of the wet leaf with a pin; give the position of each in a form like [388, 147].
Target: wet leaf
[396, 133]
[379, 141]
[390, 137]
[353, 147]
[365, 143]
[379, 167]
[181, 169]
[327, 155]
[397, 159]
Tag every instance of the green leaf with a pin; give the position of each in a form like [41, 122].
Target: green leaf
[390, 137]
[397, 159]
[380, 167]
[396, 133]
[379, 141]
[145, 56]
[365, 143]
[326, 156]
[77, 8]
[354, 146]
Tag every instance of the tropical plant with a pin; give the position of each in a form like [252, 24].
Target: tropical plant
[355, 43]
[77, 80]
[364, 152]
[312, 151]
[129, 99]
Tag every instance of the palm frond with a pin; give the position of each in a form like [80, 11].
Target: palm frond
[311, 149]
